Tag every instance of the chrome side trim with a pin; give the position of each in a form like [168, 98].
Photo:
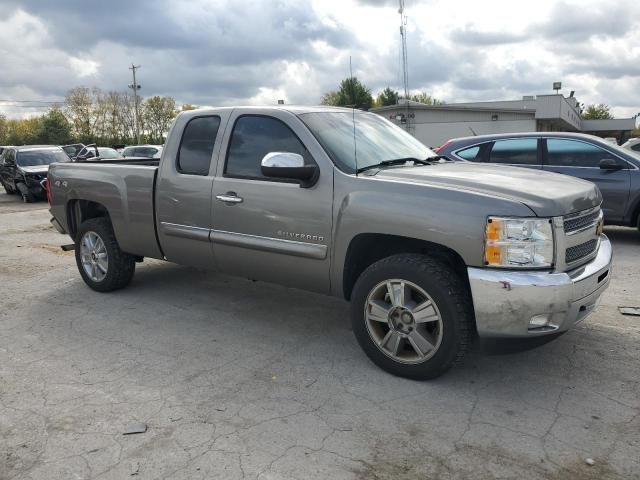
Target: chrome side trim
[269, 244]
[185, 231]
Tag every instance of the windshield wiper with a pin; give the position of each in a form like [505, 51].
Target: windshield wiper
[402, 161]
[385, 163]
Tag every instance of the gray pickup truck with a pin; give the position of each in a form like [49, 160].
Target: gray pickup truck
[430, 252]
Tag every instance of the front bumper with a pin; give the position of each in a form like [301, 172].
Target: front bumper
[506, 301]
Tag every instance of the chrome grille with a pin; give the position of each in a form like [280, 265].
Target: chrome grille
[582, 250]
[574, 224]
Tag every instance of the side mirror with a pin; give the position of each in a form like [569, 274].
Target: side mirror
[609, 164]
[289, 165]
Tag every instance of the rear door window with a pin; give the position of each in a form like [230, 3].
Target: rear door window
[472, 154]
[196, 147]
[516, 151]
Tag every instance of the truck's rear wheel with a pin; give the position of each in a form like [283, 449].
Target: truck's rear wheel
[102, 265]
[412, 316]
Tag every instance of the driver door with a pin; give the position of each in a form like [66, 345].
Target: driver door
[270, 229]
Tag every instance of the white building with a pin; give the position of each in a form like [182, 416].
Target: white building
[435, 124]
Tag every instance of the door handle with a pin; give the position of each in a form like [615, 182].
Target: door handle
[230, 197]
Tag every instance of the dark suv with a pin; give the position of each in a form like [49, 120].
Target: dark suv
[23, 168]
[614, 169]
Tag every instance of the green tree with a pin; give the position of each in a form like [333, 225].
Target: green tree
[54, 128]
[354, 93]
[187, 106]
[23, 131]
[598, 111]
[158, 113]
[424, 97]
[387, 97]
[330, 98]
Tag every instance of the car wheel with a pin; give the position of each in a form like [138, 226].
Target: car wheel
[27, 196]
[102, 264]
[412, 315]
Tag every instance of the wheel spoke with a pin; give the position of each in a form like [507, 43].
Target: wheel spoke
[425, 312]
[391, 342]
[378, 311]
[396, 291]
[420, 343]
[102, 265]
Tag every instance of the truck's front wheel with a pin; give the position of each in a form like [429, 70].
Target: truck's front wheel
[412, 316]
[102, 265]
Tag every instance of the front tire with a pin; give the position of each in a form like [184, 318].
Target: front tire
[104, 267]
[412, 315]
[27, 196]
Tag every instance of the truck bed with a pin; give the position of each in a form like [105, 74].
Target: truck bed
[125, 188]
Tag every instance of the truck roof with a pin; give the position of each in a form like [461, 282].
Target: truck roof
[295, 109]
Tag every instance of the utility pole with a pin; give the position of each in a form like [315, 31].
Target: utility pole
[135, 87]
[405, 62]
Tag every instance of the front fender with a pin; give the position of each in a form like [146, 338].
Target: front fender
[453, 219]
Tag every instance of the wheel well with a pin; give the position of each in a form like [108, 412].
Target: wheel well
[367, 248]
[80, 210]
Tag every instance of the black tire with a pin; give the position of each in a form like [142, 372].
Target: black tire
[447, 290]
[27, 196]
[120, 267]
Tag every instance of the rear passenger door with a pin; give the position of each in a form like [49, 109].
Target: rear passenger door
[581, 159]
[183, 191]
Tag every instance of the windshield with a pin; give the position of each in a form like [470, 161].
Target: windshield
[32, 158]
[108, 153]
[377, 139]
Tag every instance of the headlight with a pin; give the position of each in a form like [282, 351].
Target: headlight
[518, 242]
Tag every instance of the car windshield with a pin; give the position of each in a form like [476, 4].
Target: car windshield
[108, 153]
[32, 158]
[376, 139]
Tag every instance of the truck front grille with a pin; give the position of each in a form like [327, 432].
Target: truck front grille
[582, 250]
[573, 224]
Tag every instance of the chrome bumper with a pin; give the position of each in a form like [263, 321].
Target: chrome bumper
[505, 302]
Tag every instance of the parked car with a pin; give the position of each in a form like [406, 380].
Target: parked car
[142, 151]
[429, 252]
[22, 169]
[108, 153]
[632, 144]
[614, 169]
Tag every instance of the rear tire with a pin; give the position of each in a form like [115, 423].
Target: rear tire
[104, 267]
[412, 315]
[27, 196]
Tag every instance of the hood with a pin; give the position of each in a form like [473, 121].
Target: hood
[547, 194]
[35, 169]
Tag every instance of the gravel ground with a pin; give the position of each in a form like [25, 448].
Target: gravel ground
[248, 380]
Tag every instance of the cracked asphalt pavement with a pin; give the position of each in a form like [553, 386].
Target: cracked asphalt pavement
[236, 379]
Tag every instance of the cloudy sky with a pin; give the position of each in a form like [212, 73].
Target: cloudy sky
[216, 52]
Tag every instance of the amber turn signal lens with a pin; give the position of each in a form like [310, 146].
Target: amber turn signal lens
[493, 255]
[494, 229]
